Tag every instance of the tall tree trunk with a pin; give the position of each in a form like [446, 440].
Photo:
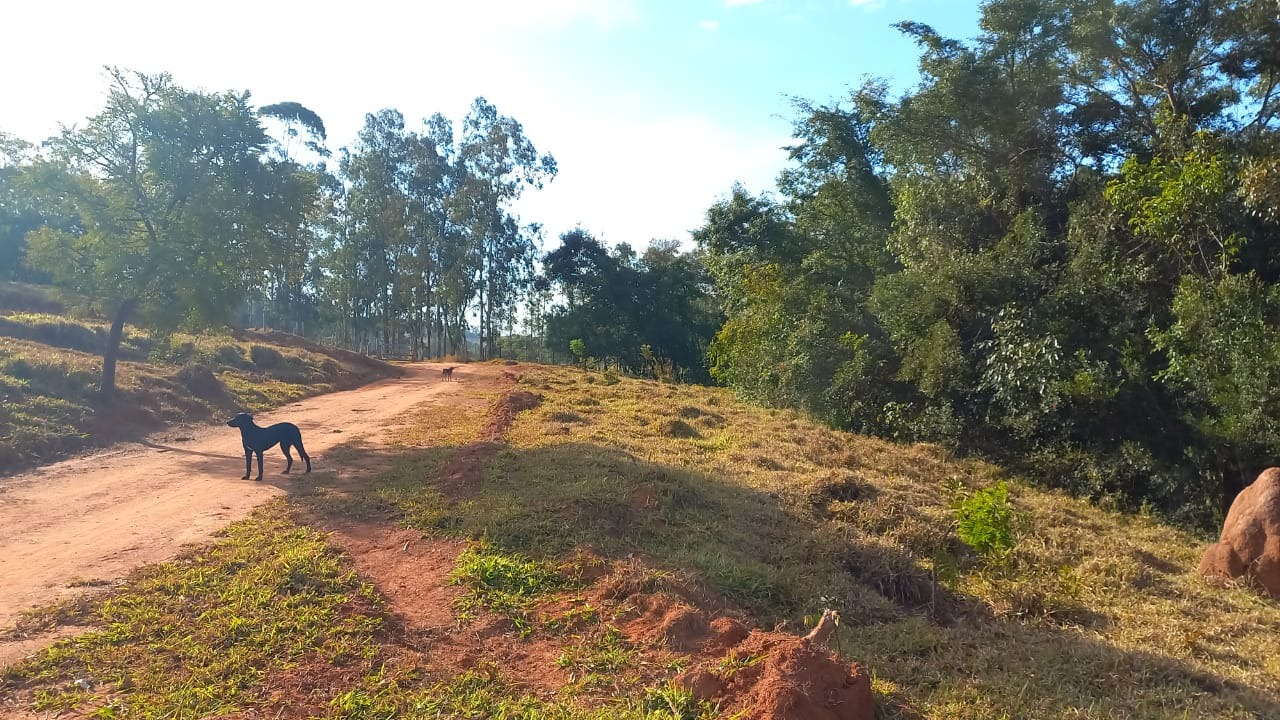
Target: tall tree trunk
[108, 386]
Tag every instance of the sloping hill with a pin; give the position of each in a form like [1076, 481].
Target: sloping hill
[587, 547]
[50, 365]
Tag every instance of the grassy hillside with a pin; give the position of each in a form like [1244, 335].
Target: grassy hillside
[560, 550]
[50, 365]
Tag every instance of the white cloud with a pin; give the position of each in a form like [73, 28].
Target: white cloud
[868, 5]
[711, 25]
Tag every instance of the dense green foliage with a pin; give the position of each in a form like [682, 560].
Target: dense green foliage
[651, 314]
[1059, 247]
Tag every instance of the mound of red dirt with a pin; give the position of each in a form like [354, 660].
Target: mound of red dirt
[783, 677]
[765, 675]
[1250, 543]
[278, 337]
[463, 472]
[504, 412]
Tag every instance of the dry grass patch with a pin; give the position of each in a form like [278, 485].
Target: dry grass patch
[1092, 614]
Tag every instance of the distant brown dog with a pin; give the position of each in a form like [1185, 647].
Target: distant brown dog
[447, 373]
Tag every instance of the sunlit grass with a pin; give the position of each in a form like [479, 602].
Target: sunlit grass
[198, 635]
[1089, 615]
[1092, 614]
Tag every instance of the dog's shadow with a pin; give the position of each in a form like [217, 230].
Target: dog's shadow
[183, 451]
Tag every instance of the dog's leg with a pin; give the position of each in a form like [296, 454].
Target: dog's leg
[303, 454]
[259, 465]
[287, 457]
[248, 463]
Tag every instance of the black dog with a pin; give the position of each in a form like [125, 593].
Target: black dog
[447, 373]
[259, 439]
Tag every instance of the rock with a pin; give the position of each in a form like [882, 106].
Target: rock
[1250, 543]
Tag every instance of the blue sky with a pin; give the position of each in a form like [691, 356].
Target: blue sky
[653, 108]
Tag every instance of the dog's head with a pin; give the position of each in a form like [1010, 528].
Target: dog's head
[242, 420]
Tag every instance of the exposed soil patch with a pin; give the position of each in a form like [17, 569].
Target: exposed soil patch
[411, 571]
[772, 676]
[466, 467]
[504, 413]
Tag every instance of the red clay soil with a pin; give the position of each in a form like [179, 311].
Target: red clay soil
[464, 470]
[790, 678]
[80, 524]
[504, 411]
[412, 573]
[795, 679]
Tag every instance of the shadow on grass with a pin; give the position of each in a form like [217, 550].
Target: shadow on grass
[780, 562]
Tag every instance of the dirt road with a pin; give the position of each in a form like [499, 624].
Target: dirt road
[90, 520]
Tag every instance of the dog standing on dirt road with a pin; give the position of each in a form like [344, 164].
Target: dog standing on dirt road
[260, 439]
[447, 373]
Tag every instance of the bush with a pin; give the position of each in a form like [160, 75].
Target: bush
[986, 520]
[265, 357]
[200, 381]
[229, 354]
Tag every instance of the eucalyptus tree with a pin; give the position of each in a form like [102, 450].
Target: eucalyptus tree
[432, 181]
[298, 154]
[496, 163]
[377, 172]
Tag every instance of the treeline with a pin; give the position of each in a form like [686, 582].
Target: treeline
[1060, 248]
[652, 313]
[173, 207]
[180, 208]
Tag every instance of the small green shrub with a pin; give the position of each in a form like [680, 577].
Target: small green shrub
[230, 354]
[265, 357]
[986, 520]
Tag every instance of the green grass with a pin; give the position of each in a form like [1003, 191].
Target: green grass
[602, 660]
[505, 583]
[487, 694]
[199, 635]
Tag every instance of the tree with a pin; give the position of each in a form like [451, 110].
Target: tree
[19, 211]
[173, 195]
[1059, 248]
[496, 162]
[653, 312]
[377, 171]
[296, 118]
